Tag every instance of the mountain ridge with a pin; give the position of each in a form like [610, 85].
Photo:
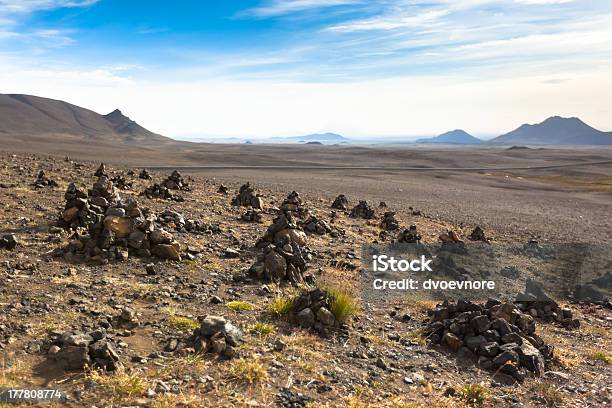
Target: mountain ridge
[34, 116]
[457, 136]
[555, 130]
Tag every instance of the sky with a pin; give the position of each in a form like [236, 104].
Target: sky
[361, 68]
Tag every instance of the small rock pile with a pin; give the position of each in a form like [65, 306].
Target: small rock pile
[294, 203]
[216, 335]
[311, 309]
[75, 351]
[176, 182]
[101, 171]
[223, 189]
[389, 222]
[452, 243]
[252, 215]
[478, 235]
[498, 335]
[116, 228]
[8, 241]
[410, 235]
[283, 255]
[43, 181]
[180, 224]
[341, 203]
[314, 225]
[145, 175]
[536, 302]
[247, 198]
[362, 210]
[121, 183]
[163, 192]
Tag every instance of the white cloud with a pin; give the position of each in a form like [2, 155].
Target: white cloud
[531, 2]
[28, 6]
[281, 7]
[392, 22]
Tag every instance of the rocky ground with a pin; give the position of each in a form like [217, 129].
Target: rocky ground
[137, 330]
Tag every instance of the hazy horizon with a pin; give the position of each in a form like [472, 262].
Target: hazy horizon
[271, 68]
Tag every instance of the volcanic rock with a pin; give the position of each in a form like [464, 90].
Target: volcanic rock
[341, 203]
[362, 210]
[247, 198]
[43, 181]
[176, 182]
[410, 235]
[389, 222]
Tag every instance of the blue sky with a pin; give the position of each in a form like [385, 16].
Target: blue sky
[281, 67]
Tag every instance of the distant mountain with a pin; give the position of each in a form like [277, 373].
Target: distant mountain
[324, 138]
[556, 130]
[26, 116]
[321, 137]
[456, 136]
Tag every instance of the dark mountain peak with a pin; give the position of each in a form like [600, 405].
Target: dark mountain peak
[117, 116]
[457, 136]
[556, 130]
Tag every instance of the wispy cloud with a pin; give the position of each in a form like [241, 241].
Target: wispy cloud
[28, 6]
[281, 7]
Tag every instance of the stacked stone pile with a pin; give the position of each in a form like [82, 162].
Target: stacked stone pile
[77, 350]
[294, 204]
[175, 181]
[145, 175]
[8, 241]
[247, 198]
[43, 181]
[181, 224]
[389, 222]
[162, 192]
[283, 255]
[121, 183]
[410, 235]
[315, 225]
[498, 335]
[311, 309]
[215, 335]
[115, 228]
[223, 189]
[341, 203]
[252, 215]
[478, 235]
[101, 171]
[537, 303]
[362, 210]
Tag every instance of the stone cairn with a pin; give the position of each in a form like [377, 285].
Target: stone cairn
[362, 210]
[498, 335]
[478, 235]
[223, 189]
[340, 203]
[215, 335]
[116, 228]
[181, 224]
[536, 302]
[247, 198]
[8, 242]
[77, 350]
[121, 183]
[176, 182]
[252, 215]
[295, 204]
[145, 175]
[162, 192]
[315, 225]
[101, 171]
[311, 310]
[43, 181]
[410, 235]
[389, 222]
[452, 243]
[283, 255]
